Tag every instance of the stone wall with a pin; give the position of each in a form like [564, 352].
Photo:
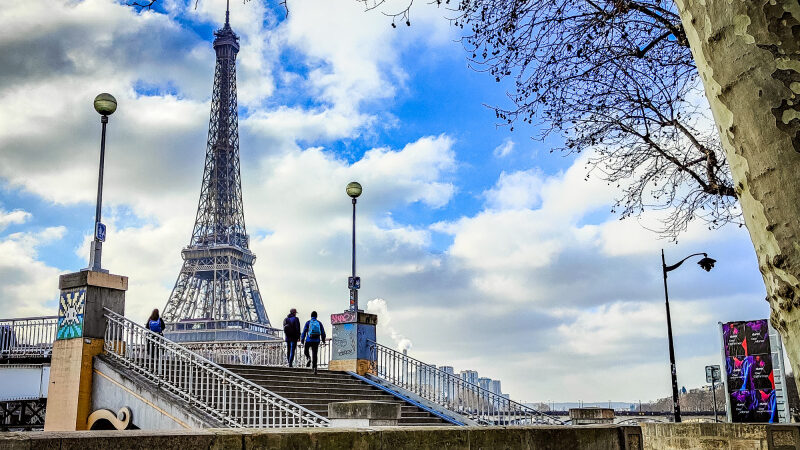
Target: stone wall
[610, 437]
[720, 436]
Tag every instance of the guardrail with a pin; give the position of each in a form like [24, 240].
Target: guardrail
[210, 325]
[265, 353]
[27, 337]
[231, 399]
[450, 391]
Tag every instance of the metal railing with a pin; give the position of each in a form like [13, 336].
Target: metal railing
[27, 337]
[209, 329]
[266, 353]
[450, 391]
[233, 400]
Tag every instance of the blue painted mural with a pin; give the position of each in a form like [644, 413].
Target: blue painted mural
[71, 307]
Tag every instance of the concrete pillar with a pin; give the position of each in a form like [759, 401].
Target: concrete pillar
[363, 413]
[81, 328]
[351, 332]
[591, 416]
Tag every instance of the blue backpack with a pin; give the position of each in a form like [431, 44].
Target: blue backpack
[314, 329]
[154, 326]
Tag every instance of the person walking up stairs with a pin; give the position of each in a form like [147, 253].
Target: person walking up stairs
[313, 334]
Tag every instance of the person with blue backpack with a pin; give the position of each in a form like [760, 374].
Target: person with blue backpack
[313, 334]
[155, 323]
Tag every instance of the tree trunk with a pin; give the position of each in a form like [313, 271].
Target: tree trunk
[747, 53]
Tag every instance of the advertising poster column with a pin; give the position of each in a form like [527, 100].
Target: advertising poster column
[754, 381]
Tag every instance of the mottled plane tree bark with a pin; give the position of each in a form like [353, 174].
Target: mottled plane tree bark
[748, 57]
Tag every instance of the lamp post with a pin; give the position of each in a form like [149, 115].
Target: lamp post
[354, 283]
[105, 105]
[706, 264]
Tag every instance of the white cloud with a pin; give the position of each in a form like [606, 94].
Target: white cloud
[504, 149]
[27, 285]
[378, 306]
[15, 217]
[517, 190]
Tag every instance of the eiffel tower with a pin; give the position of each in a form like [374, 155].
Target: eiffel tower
[217, 280]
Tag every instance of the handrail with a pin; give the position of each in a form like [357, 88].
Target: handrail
[233, 400]
[257, 353]
[450, 391]
[27, 337]
[222, 324]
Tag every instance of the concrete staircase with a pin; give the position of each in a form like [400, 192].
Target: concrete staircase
[314, 392]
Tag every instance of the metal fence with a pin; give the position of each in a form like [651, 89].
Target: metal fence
[233, 400]
[450, 391]
[269, 353]
[27, 337]
[205, 330]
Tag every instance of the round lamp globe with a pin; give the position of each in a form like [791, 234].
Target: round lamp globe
[353, 189]
[105, 104]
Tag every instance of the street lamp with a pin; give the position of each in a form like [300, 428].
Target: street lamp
[105, 105]
[706, 264]
[354, 283]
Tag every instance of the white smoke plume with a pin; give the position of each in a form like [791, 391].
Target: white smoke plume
[378, 306]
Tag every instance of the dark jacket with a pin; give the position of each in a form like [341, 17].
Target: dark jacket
[307, 338]
[160, 322]
[291, 328]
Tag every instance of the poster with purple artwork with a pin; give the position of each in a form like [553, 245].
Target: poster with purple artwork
[749, 371]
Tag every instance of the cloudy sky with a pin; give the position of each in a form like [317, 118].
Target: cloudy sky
[478, 247]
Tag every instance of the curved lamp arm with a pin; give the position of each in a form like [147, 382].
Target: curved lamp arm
[678, 264]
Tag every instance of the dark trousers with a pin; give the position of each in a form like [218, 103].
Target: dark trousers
[314, 346]
[291, 349]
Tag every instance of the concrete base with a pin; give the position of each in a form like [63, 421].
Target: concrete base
[612, 437]
[363, 413]
[79, 338]
[70, 387]
[591, 416]
[359, 366]
[727, 436]
[352, 332]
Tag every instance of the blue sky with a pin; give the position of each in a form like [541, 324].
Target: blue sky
[478, 248]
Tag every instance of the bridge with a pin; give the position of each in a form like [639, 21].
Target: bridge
[167, 384]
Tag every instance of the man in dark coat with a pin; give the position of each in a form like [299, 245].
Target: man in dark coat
[313, 334]
[291, 333]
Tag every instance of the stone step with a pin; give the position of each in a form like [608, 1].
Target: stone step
[316, 387]
[291, 381]
[326, 392]
[282, 370]
[310, 377]
[338, 398]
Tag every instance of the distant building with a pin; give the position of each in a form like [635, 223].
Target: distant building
[495, 387]
[427, 375]
[485, 383]
[470, 376]
[448, 386]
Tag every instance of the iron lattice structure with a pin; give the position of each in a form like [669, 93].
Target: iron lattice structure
[217, 279]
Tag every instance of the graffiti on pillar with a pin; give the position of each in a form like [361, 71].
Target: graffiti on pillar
[345, 317]
[344, 341]
[71, 306]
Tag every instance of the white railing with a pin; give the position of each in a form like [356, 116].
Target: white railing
[209, 325]
[450, 391]
[27, 337]
[264, 353]
[233, 400]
